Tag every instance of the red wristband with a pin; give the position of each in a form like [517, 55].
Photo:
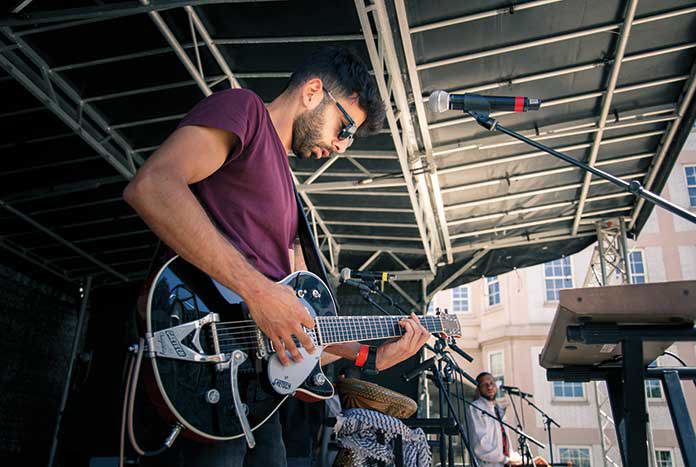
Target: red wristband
[362, 355]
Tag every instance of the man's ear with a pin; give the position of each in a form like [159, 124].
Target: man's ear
[312, 93]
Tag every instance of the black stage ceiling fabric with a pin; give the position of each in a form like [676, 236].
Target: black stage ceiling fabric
[90, 90]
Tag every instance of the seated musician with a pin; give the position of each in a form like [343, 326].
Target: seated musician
[489, 438]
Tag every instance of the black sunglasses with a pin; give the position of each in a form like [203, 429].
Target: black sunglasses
[347, 131]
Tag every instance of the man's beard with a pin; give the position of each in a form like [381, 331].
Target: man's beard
[306, 132]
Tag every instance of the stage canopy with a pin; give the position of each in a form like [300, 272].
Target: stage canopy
[90, 91]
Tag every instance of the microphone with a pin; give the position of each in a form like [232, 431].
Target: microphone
[353, 283]
[347, 273]
[441, 101]
[515, 390]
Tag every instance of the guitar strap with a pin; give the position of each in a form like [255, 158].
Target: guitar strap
[310, 250]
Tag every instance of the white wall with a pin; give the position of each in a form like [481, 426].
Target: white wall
[687, 259]
[655, 264]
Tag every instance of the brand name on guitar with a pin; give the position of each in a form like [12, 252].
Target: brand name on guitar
[280, 383]
[175, 343]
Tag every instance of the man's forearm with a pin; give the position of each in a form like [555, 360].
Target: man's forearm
[174, 214]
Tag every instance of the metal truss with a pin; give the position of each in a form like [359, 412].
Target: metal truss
[609, 266]
[362, 209]
[543, 207]
[572, 129]
[554, 39]
[36, 260]
[536, 154]
[570, 70]
[513, 8]
[334, 248]
[606, 106]
[69, 16]
[526, 239]
[434, 182]
[77, 224]
[541, 191]
[665, 144]
[366, 247]
[50, 88]
[385, 63]
[363, 184]
[375, 237]
[179, 51]
[547, 221]
[467, 266]
[544, 173]
[29, 255]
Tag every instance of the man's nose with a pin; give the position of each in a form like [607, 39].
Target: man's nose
[341, 145]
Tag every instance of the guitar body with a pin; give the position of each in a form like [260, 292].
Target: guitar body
[194, 324]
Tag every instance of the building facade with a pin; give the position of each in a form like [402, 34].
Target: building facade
[506, 319]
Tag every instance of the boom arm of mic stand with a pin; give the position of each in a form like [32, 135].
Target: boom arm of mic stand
[634, 187]
[543, 414]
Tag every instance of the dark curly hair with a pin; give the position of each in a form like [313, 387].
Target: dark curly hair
[343, 73]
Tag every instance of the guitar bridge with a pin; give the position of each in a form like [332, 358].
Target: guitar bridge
[175, 343]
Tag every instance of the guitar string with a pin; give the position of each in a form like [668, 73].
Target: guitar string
[325, 329]
[322, 321]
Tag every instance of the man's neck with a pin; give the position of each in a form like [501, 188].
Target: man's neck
[282, 110]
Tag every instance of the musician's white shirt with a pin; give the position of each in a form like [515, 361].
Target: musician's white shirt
[486, 437]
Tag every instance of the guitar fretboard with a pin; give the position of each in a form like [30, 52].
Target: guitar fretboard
[338, 329]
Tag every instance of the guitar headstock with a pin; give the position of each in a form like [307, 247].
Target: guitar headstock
[450, 325]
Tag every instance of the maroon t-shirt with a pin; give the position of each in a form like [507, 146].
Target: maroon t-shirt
[251, 197]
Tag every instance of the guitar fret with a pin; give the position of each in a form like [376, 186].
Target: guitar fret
[335, 329]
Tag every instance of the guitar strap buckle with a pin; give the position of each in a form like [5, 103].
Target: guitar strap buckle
[239, 357]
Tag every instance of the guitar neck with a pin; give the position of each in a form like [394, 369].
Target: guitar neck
[340, 329]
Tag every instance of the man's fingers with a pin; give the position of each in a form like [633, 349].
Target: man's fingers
[305, 340]
[292, 348]
[306, 319]
[410, 332]
[280, 350]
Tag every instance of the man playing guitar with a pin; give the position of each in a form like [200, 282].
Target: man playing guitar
[219, 192]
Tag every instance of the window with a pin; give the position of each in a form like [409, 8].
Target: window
[653, 387]
[637, 267]
[558, 276]
[431, 307]
[493, 290]
[663, 458]
[691, 184]
[578, 457]
[496, 363]
[460, 299]
[564, 390]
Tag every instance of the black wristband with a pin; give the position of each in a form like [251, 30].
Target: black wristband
[370, 366]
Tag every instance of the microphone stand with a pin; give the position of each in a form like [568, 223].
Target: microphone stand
[442, 384]
[634, 187]
[547, 423]
[524, 448]
[451, 367]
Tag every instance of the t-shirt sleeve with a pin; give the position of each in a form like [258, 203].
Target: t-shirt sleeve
[233, 110]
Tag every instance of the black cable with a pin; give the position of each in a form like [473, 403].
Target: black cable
[458, 385]
[676, 357]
